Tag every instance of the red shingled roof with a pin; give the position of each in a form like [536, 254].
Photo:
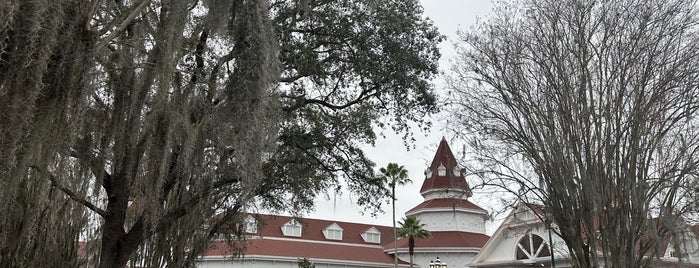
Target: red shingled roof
[444, 157]
[445, 239]
[445, 203]
[312, 243]
[308, 249]
[312, 229]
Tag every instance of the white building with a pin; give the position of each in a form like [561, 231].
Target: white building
[457, 229]
[456, 225]
[522, 240]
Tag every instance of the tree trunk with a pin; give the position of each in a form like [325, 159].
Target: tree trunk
[395, 235]
[411, 249]
[117, 244]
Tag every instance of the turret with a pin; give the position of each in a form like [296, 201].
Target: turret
[444, 178]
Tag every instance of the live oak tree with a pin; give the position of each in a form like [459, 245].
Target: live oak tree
[590, 108]
[349, 66]
[145, 127]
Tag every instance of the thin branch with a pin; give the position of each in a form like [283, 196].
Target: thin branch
[76, 198]
[124, 24]
[361, 98]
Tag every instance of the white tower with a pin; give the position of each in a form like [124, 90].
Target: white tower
[456, 225]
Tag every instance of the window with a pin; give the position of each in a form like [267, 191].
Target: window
[532, 246]
[372, 236]
[333, 232]
[441, 170]
[291, 228]
[674, 253]
[250, 225]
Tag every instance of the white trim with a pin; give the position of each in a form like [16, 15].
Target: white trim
[372, 231]
[244, 258]
[292, 225]
[546, 259]
[428, 191]
[497, 235]
[436, 250]
[321, 242]
[333, 228]
[445, 209]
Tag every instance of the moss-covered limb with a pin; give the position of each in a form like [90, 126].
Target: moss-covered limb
[153, 116]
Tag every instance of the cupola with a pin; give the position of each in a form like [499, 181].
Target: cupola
[444, 174]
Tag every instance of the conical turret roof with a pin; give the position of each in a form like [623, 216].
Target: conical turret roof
[444, 172]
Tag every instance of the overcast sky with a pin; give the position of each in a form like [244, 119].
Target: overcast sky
[449, 16]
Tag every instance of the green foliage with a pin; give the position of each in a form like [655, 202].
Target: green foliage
[305, 263]
[347, 65]
[412, 227]
[395, 175]
[130, 124]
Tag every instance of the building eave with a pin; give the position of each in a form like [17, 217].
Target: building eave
[246, 258]
[467, 210]
[404, 250]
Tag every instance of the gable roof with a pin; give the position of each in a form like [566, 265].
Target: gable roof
[535, 224]
[444, 158]
[333, 226]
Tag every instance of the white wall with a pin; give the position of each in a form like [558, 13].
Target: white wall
[453, 260]
[453, 221]
[288, 263]
[504, 250]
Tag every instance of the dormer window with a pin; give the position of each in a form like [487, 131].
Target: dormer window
[457, 172]
[441, 170]
[372, 236]
[428, 173]
[250, 225]
[291, 228]
[673, 252]
[333, 232]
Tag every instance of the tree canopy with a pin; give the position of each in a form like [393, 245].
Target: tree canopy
[130, 124]
[590, 108]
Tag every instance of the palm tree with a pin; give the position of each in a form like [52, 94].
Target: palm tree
[395, 175]
[412, 228]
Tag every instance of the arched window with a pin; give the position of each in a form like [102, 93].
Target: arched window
[532, 246]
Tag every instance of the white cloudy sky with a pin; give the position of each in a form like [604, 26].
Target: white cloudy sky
[448, 16]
